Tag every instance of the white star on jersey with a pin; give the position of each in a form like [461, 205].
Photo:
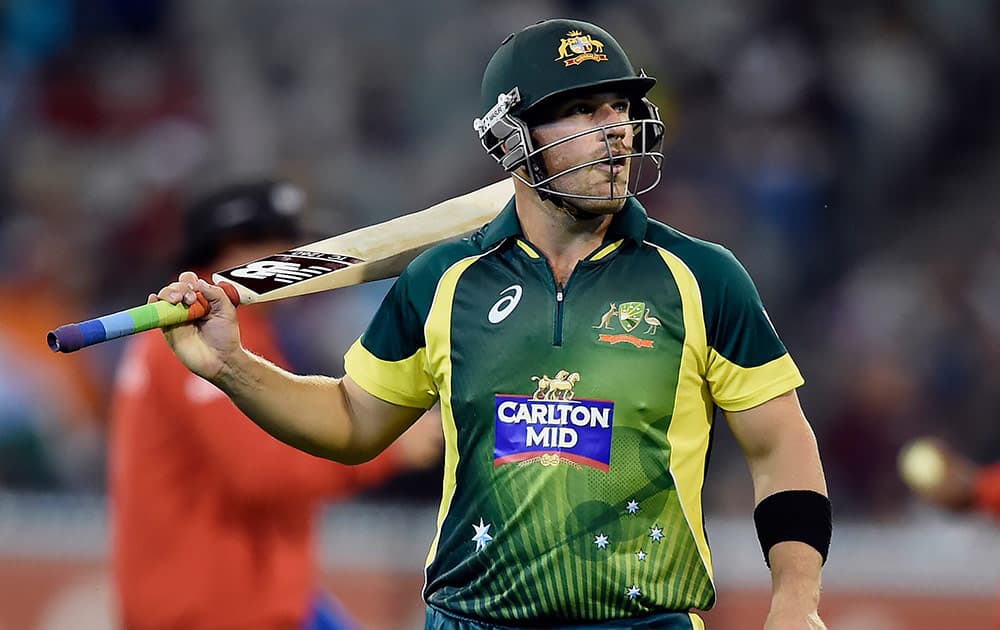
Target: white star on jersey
[633, 592]
[641, 555]
[482, 535]
[632, 506]
[601, 541]
[656, 533]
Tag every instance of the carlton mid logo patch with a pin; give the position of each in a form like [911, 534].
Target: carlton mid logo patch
[552, 426]
[576, 48]
[629, 318]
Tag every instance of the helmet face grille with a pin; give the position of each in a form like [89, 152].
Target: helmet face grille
[550, 60]
[509, 142]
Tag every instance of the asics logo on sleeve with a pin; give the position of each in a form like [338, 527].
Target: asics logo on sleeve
[503, 307]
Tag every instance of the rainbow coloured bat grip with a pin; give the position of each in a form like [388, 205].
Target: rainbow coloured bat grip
[72, 337]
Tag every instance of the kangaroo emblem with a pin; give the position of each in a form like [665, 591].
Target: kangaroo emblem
[606, 318]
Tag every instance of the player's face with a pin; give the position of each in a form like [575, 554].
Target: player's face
[603, 179]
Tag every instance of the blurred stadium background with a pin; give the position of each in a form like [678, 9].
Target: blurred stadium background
[848, 152]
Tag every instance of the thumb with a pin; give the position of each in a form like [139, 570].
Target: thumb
[220, 302]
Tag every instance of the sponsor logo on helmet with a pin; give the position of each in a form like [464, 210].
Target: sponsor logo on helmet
[630, 315]
[576, 48]
[551, 426]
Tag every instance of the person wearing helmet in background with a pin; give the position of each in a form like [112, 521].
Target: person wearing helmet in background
[214, 522]
[578, 350]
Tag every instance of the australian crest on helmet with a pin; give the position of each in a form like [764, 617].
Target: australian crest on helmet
[576, 48]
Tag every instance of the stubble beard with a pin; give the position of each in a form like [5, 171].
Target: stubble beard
[589, 208]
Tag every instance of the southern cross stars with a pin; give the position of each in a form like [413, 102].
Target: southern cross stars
[632, 506]
[482, 535]
[633, 592]
[641, 555]
[601, 541]
[656, 533]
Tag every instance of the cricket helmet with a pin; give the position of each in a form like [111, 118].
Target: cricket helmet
[247, 211]
[555, 59]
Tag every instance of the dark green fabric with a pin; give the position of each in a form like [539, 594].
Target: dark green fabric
[398, 331]
[735, 320]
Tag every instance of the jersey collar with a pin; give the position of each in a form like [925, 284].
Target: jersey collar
[629, 222]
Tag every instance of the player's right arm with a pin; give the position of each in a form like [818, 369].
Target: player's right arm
[324, 416]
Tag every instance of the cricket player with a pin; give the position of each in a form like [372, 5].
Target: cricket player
[578, 350]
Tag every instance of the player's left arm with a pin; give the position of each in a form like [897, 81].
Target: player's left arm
[789, 491]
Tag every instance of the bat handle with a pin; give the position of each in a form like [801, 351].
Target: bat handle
[160, 314]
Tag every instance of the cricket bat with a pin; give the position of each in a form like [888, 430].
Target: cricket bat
[371, 253]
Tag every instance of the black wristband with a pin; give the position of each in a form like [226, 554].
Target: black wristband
[801, 515]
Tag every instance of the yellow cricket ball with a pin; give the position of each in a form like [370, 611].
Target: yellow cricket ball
[922, 465]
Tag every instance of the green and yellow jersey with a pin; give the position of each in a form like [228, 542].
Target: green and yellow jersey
[577, 419]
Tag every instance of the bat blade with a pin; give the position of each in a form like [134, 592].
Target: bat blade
[371, 253]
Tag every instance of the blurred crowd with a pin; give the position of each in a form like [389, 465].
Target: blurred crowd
[847, 152]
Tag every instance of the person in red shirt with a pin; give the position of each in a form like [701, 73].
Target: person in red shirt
[962, 485]
[213, 520]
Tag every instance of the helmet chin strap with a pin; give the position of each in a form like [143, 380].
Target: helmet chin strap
[539, 174]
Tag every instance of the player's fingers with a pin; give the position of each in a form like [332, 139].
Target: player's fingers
[218, 301]
[181, 290]
[187, 280]
[178, 291]
[152, 298]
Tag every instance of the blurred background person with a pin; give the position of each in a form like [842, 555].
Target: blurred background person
[945, 478]
[954, 482]
[214, 521]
